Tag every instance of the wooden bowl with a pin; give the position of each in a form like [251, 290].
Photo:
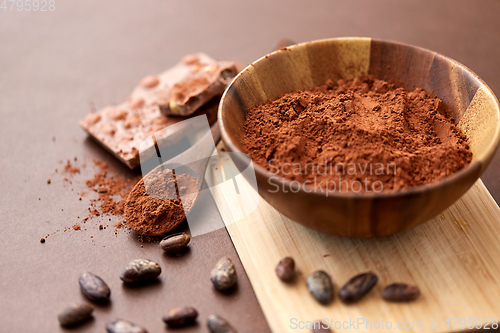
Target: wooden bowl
[472, 103]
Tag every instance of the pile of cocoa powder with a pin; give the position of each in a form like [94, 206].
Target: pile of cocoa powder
[152, 210]
[363, 131]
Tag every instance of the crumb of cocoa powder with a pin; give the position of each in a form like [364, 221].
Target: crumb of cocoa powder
[42, 240]
[118, 225]
[70, 168]
[48, 181]
[76, 227]
[149, 239]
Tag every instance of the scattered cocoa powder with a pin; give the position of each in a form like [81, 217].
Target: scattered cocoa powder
[70, 168]
[150, 216]
[330, 134]
[112, 188]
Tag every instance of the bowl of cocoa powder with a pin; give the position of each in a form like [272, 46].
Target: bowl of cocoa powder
[360, 137]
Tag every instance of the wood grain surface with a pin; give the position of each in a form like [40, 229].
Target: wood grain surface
[453, 258]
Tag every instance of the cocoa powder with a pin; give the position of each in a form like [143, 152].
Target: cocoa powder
[113, 189]
[70, 168]
[363, 131]
[148, 215]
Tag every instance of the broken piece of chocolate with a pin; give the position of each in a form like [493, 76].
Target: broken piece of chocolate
[190, 88]
[184, 88]
[122, 129]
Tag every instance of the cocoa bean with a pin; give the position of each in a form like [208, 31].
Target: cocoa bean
[75, 314]
[181, 317]
[140, 270]
[217, 324]
[357, 287]
[224, 274]
[400, 292]
[93, 287]
[320, 285]
[123, 326]
[286, 269]
[175, 243]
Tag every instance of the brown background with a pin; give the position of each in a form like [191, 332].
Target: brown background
[55, 66]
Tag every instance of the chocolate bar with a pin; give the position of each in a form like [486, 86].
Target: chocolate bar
[121, 129]
[184, 88]
[190, 88]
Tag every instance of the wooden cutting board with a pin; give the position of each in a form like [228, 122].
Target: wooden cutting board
[454, 259]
